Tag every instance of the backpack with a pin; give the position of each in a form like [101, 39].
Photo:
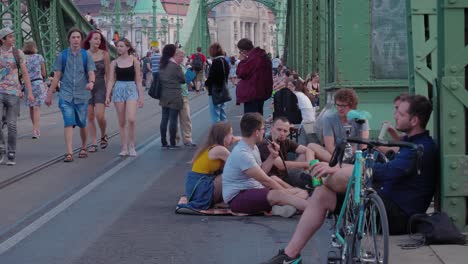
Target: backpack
[285, 104]
[84, 55]
[197, 63]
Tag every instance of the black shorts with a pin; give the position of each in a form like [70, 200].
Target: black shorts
[397, 219]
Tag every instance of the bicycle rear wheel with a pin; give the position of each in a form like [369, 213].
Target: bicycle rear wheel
[371, 244]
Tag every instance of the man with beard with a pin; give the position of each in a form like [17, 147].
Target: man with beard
[403, 191]
[294, 168]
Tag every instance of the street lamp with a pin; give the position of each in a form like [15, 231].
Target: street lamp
[277, 30]
[163, 31]
[154, 21]
[117, 12]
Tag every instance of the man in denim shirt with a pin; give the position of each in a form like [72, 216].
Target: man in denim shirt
[75, 87]
[403, 191]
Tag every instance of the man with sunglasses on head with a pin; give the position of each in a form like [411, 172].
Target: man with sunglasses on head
[334, 126]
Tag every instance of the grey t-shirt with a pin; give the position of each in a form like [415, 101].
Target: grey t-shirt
[242, 158]
[333, 127]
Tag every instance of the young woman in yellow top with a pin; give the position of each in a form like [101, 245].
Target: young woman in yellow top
[203, 182]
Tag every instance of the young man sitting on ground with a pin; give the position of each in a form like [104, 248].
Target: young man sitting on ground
[279, 134]
[403, 191]
[246, 186]
[333, 124]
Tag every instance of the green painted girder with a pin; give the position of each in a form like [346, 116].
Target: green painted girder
[453, 98]
[195, 31]
[46, 22]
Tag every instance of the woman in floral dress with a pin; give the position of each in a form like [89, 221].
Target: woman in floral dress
[37, 73]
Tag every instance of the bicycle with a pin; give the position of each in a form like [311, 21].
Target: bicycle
[361, 230]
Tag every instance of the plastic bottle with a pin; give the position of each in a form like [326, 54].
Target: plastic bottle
[315, 180]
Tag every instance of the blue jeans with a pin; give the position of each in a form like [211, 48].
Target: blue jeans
[217, 112]
[170, 116]
[9, 107]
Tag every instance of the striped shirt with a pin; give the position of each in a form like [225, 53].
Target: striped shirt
[155, 62]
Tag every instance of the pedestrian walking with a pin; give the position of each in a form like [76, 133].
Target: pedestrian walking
[127, 93]
[11, 61]
[147, 73]
[199, 64]
[155, 58]
[170, 79]
[217, 79]
[96, 45]
[75, 87]
[37, 74]
[255, 74]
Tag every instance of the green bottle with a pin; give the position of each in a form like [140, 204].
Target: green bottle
[315, 180]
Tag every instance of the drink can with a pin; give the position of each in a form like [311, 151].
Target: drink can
[383, 130]
[316, 181]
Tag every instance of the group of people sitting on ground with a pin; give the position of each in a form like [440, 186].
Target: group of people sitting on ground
[259, 176]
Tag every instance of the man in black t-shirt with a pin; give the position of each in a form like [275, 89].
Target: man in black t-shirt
[279, 134]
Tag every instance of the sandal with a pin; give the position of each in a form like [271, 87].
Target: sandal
[83, 153]
[93, 148]
[68, 157]
[103, 144]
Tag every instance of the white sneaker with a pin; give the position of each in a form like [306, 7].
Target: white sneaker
[283, 210]
[132, 152]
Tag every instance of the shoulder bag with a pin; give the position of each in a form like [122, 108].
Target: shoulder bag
[220, 93]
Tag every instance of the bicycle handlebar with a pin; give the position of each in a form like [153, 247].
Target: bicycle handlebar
[384, 143]
[337, 155]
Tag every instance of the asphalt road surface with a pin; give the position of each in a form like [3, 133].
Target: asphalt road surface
[106, 209]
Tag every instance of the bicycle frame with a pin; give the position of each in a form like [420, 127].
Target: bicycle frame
[354, 178]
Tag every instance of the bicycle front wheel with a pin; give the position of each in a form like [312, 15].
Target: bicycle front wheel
[370, 243]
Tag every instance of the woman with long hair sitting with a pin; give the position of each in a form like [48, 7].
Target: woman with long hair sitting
[203, 183]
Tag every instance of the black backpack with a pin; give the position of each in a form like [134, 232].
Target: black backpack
[285, 104]
[197, 63]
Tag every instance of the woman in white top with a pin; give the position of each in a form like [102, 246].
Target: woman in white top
[303, 102]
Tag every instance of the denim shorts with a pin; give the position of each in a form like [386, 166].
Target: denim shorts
[124, 91]
[73, 114]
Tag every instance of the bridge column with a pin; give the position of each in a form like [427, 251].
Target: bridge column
[452, 84]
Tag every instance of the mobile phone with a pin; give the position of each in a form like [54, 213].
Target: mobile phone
[271, 143]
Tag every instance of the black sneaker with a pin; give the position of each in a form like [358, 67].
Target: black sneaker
[174, 147]
[165, 146]
[282, 258]
[2, 156]
[11, 159]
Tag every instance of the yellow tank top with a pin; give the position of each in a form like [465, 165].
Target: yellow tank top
[203, 164]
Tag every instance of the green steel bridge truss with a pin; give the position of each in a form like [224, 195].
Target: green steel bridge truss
[379, 47]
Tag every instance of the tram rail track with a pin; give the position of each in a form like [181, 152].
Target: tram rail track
[57, 159]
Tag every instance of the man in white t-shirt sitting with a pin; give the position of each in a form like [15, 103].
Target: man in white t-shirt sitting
[246, 186]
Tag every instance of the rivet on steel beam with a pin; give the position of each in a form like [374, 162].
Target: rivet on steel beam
[454, 86]
[453, 69]
[415, 9]
[454, 218]
[418, 67]
[452, 1]
[418, 55]
[454, 186]
[454, 165]
[453, 202]
[453, 113]
[453, 130]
